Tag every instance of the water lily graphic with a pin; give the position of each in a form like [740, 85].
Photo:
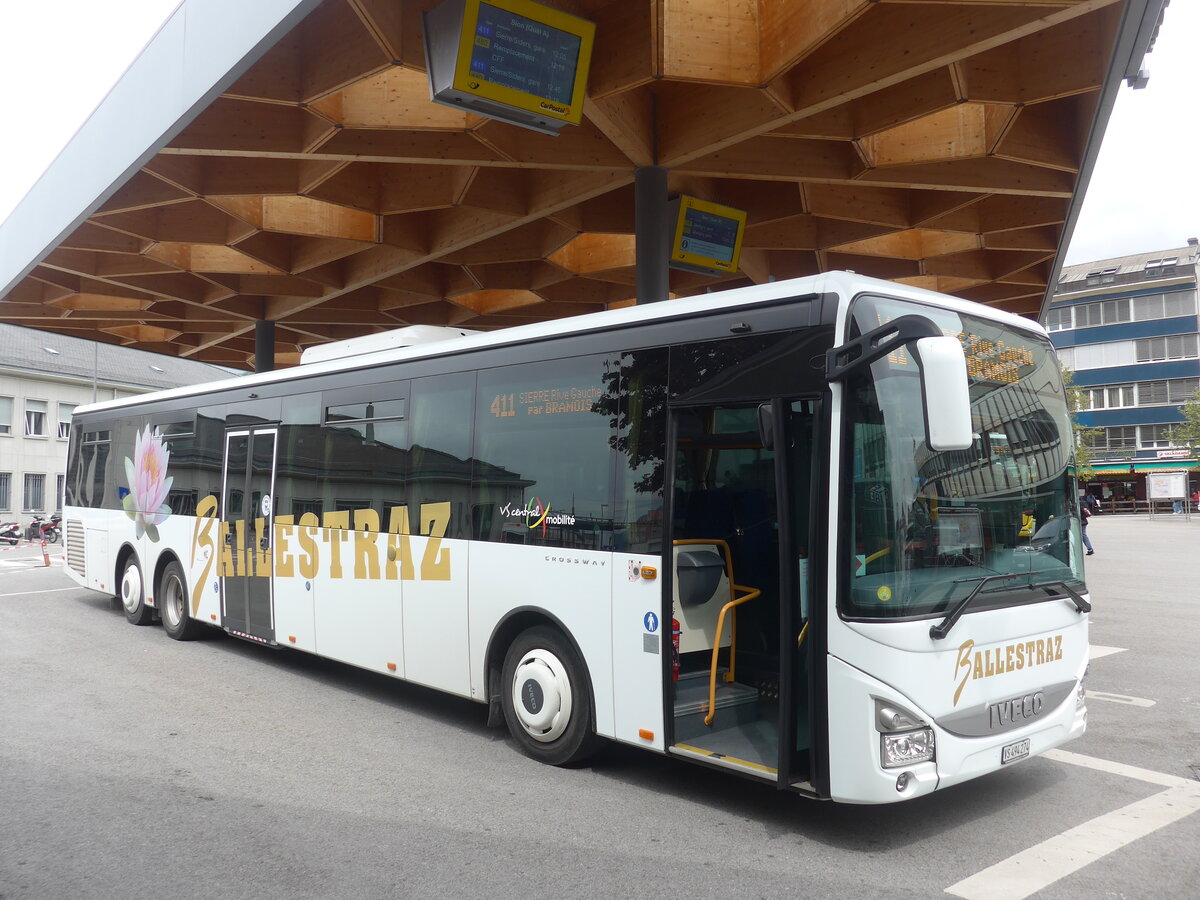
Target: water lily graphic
[148, 484]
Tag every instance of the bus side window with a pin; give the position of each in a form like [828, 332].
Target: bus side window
[440, 441]
[543, 458]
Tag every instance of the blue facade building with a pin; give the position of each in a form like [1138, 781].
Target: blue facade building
[1127, 329]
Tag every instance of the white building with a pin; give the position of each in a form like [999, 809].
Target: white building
[43, 377]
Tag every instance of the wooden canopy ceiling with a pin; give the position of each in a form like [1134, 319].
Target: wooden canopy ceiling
[935, 143]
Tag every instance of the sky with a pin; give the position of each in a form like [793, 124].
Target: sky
[59, 58]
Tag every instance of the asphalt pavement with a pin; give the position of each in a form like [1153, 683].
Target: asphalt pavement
[135, 766]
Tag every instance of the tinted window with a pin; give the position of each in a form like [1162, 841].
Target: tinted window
[301, 457]
[543, 458]
[440, 454]
[752, 366]
[636, 401]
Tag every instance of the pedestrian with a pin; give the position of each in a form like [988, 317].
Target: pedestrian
[1084, 515]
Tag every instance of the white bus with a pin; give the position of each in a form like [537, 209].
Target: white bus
[821, 533]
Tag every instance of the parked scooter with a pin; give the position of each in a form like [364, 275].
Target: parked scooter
[10, 533]
[39, 529]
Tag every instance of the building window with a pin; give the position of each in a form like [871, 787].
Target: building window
[1161, 393]
[58, 493]
[1120, 395]
[6, 408]
[1179, 303]
[35, 418]
[1144, 393]
[35, 493]
[1181, 390]
[1114, 441]
[1156, 436]
[1102, 276]
[5, 490]
[1164, 306]
[1152, 393]
[1102, 356]
[1059, 319]
[1173, 346]
[64, 419]
[1157, 268]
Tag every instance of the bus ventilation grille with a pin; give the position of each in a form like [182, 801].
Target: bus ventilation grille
[73, 539]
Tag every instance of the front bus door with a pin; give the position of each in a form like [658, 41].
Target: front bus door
[741, 508]
[248, 515]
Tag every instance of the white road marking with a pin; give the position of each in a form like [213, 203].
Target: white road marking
[1118, 698]
[1032, 870]
[1115, 768]
[1038, 867]
[1096, 651]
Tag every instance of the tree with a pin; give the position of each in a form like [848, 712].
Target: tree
[1187, 433]
[1084, 436]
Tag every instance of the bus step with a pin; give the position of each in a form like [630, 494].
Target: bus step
[691, 695]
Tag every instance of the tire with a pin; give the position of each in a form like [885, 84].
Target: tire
[52, 536]
[547, 698]
[173, 605]
[133, 593]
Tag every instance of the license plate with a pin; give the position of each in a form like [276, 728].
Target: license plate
[1013, 752]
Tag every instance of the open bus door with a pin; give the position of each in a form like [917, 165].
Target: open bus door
[248, 516]
[740, 523]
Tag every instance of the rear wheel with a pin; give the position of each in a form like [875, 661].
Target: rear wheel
[547, 698]
[173, 605]
[133, 593]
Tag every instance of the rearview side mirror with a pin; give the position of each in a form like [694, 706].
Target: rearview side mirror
[945, 393]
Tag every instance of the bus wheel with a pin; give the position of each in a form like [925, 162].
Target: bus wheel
[133, 593]
[547, 699]
[173, 605]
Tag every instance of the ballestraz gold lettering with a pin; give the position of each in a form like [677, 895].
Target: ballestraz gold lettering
[975, 664]
[343, 544]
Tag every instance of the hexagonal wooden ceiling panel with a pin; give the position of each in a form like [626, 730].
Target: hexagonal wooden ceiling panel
[933, 143]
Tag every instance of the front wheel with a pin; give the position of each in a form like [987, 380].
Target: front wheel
[173, 605]
[52, 536]
[133, 593]
[547, 698]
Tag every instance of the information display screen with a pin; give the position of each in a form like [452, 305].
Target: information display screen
[516, 52]
[708, 236]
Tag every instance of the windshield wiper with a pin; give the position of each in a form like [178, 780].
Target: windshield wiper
[1081, 605]
[939, 631]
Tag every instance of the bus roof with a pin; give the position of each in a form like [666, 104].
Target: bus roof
[843, 284]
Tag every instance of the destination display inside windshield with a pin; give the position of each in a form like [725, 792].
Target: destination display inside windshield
[987, 360]
[519, 53]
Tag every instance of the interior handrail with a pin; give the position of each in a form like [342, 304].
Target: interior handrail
[750, 594]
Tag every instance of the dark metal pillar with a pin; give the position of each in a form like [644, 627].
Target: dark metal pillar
[264, 345]
[653, 233]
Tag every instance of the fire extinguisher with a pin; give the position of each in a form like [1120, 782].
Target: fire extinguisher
[675, 632]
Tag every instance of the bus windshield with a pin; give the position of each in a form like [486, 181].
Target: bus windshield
[925, 527]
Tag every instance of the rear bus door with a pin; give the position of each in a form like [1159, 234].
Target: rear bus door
[248, 516]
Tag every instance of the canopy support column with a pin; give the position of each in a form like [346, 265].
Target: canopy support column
[264, 345]
[652, 234]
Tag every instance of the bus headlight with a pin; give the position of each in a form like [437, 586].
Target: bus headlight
[906, 748]
[904, 737]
